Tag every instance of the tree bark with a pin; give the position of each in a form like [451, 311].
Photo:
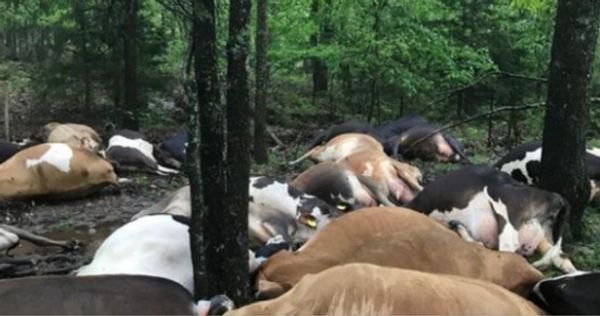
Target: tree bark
[262, 83]
[131, 106]
[563, 168]
[206, 152]
[232, 266]
[84, 54]
[320, 70]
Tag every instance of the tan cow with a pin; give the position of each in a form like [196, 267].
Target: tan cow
[398, 179]
[394, 237]
[54, 170]
[75, 135]
[341, 146]
[366, 289]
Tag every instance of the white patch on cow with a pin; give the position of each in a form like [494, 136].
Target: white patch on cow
[57, 155]
[594, 189]
[139, 144]
[368, 170]
[151, 245]
[7, 239]
[521, 164]
[330, 153]
[275, 196]
[594, 151]
[509, 237]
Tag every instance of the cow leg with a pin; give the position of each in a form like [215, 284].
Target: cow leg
[37, 239]
[553, 255]
[461, 229]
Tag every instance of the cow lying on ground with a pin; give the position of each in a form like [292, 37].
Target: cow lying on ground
[488, 206]
[523, 164]
[394, 237]
[343, 128]
[412, 144]
[366, 289]
[398, 180]
[129, 150]
[156, 245]
[10, 236]
[74, 135]
[337, 185]
[54, 170]
[275, 208]
[102, 295]
[8, 149]
[570, 294]
[175, 146]
[340, 147]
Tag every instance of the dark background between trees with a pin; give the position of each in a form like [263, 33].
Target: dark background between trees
[313, 63]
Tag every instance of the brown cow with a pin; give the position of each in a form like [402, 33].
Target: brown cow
[74, 135]
[366, 289]
[394, 237]
[341, 146]
[54, 170]
[398, 179]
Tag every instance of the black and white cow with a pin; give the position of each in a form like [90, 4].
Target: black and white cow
[337, 184]
[488, 206]
[524, 161]
[103, 295]
[571, 294]
[412, 144]
[157, 245]
[129, 149]
[275, 208]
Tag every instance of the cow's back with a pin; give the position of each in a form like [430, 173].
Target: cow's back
[365, 289]
[402, 238]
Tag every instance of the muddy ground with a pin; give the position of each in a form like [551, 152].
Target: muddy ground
[86, 221]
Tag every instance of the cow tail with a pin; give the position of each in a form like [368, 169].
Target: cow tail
[305, 156]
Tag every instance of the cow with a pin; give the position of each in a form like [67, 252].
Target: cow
[340, 147]
[176, 145]
[129, 150]
[524, 161]
[54, 170]
[399, 180]
[74, 135]
[413, 143]
[570, 294]
[8, 149]
[488, 206]
[393, 128]
[10, 237]
[275, 208]
[103, 295]
[343, 128]
[156, 245]
[337, 185]
[367, 289]
[394, 237]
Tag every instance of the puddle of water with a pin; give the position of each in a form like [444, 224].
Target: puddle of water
[91, 237]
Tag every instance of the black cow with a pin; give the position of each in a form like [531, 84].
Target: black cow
[7, 150]
[571, 294]
[394, 128]
[103, 295]
[176, 145]
[490, 207]
[412, 144]
[524, 161]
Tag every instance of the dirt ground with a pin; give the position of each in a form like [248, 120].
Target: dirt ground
[87, 221]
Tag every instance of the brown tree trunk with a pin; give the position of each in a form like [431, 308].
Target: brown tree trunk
[84, 54]
[206, 152]
[232, 266]
[320, 70]
[131, 106]
[262, 83]
[563, 168]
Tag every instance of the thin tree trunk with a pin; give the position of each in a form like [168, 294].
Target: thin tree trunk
[262, 83]
[206, 153]
[232, 266]
[84, 54]
[563, 168]
[320, 71]
[131, 106]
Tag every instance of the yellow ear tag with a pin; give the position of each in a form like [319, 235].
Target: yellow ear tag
[342, 207]
[312, 223]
